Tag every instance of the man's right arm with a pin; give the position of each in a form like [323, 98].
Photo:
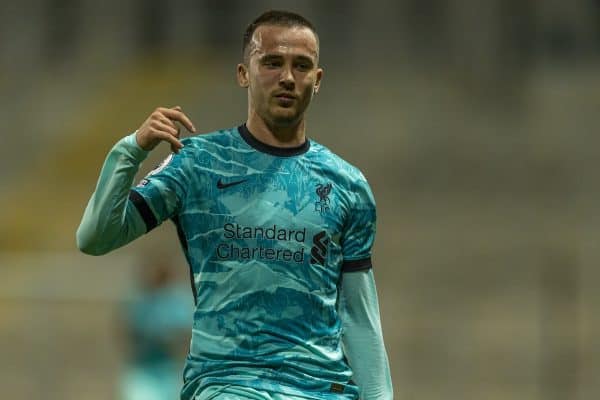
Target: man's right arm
[110, 219]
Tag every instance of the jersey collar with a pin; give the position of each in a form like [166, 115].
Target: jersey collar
[273, 150]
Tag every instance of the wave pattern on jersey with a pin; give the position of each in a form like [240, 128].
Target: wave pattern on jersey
[266, 308]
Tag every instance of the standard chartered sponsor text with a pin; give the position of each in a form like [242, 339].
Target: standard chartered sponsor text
[268, 243]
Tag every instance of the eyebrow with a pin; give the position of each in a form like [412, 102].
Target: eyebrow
[305, 59]
[272, 56]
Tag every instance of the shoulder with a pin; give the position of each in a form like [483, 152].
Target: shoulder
[221, 137]
[208, 146]
[346, 174]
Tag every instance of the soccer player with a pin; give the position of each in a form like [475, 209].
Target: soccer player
[277, 231]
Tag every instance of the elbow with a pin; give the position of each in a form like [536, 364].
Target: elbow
[87, 245]
[90, 250]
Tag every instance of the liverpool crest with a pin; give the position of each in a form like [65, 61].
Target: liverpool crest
[322, 205]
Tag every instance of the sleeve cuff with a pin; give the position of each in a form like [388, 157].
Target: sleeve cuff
[357, 265]
[129, 143]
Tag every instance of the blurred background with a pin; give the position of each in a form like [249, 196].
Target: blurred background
[474, 121]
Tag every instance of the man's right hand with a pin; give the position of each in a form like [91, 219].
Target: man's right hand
[161, 125]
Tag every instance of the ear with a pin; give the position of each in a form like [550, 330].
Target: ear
[318, 81]
[242, 75]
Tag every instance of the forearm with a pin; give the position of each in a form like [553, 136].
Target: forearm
[110, 220]
[362, 338]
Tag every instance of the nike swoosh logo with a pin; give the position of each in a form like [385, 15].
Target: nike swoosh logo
[221, 185]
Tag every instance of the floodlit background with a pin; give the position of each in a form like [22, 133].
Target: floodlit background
[476, 122]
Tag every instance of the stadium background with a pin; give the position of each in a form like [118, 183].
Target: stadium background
[475, 122]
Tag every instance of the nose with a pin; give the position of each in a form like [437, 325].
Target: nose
[286, 80]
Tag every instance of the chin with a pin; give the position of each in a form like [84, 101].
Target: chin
[285, 119]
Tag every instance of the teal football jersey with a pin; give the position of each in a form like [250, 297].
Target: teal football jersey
[267, 233]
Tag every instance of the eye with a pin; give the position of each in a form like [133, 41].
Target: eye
[272, 63]
[303, 64]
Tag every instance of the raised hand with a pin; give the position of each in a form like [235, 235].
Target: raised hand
[161, 125]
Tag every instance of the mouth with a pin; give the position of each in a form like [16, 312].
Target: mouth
[285, 96]
[285, 100]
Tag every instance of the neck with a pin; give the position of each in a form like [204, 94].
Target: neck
[275, 135]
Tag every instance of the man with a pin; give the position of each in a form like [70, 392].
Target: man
[277, 231]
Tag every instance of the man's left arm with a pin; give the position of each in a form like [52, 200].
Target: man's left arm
[362, 337]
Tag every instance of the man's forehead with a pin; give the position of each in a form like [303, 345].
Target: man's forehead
[283, 39]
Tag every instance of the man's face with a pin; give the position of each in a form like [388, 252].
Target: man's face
[281, 73]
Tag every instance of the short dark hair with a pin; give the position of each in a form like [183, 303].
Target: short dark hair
[277, 18]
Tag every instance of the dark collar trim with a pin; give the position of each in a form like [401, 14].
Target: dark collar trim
[273, 150]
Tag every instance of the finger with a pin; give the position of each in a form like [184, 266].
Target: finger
[167, 121]
[176, 145]
[176, 127]
[169, 128]
[178, 108]
[179, 116]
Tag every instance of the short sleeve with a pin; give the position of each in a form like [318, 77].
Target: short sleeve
[358, 235]
[160, 194]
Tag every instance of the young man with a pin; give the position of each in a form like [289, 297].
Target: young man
[277, 231]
